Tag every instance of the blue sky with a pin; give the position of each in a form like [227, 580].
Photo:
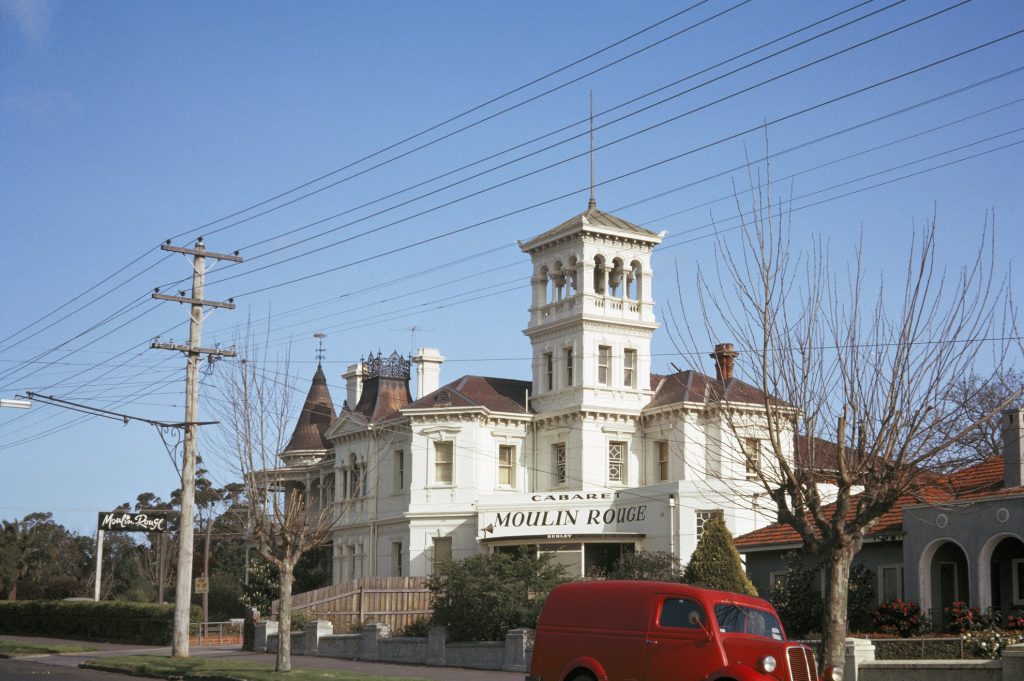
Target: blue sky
[125, 124]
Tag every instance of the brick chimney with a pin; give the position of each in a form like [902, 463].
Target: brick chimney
[724, 357]
[1012, 426]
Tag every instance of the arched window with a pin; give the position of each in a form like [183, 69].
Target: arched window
[544, 280]
[570, 276]
[354, 482]
[615, 277]
[634, 281]
[557, 282]
[599, 274]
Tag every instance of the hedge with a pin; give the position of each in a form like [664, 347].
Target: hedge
[116, 621]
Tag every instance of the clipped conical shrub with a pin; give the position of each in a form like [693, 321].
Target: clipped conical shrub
[716, 564]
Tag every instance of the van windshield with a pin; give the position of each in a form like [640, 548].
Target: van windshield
[742, 619]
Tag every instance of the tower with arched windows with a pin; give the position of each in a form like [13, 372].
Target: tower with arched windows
[591, 322]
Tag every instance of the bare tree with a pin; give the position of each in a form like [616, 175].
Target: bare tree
[975, 400]
[284, 522]
[851, 380]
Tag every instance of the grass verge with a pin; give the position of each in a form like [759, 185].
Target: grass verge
[221, 670]
[18, 649]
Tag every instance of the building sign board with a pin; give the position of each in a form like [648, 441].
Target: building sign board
[566, 515]
[125, 521]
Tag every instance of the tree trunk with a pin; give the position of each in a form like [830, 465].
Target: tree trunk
[837, 582]
[284, 620]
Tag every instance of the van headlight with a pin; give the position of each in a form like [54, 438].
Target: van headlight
[767, 664]
[833, 673]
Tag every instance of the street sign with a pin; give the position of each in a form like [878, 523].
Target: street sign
[124, 521]
[202, 585]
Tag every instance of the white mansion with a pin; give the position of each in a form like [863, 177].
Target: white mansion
[594, 457]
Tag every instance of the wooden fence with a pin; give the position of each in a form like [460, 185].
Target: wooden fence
[394, 601]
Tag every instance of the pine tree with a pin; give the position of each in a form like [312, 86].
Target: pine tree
[715, 563]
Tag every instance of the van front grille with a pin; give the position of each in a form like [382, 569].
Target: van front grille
[802, 666]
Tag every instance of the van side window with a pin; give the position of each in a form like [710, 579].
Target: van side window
[677, 612]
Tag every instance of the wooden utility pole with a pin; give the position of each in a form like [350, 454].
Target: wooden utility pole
[183, 582]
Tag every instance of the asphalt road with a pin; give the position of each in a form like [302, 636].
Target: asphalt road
[22, 669]
[66, 666]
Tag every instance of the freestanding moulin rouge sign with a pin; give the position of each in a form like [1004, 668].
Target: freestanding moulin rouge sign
[124, 521]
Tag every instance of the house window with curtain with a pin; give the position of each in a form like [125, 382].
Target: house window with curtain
[506, 466]
[443, 462]
[629, 368]
[663, 462]
[604, 358]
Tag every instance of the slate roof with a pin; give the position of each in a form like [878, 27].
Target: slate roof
[496, 394]
[693, 386]
[591, 218]
[315, 417]
[978, 481]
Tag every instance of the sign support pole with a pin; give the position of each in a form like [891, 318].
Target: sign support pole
[99, 564]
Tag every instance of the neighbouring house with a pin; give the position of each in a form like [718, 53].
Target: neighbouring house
[961, 539]
[593, 457]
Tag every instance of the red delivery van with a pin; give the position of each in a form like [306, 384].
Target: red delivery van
[660, 631]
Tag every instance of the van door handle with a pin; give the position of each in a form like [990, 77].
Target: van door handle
[652, 642]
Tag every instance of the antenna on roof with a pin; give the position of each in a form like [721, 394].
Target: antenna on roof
[320, 352]
[593, 201]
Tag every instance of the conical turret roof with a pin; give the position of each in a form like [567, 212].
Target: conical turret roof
[316, 416]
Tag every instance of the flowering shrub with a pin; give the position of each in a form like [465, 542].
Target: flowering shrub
[900, 617]
[1014, 623]
[989, 643]
[959, 618]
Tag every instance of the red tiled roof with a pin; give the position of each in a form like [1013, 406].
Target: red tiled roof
[495, 394]
[982, 480]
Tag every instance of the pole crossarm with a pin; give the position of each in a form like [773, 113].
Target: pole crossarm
[233, 257]
[193, 301]
[156, 345]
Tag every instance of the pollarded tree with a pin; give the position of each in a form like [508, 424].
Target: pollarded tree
[283, 521]
[715, 563]
[838, 363]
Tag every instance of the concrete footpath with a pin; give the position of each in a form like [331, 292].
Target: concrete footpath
[233, 652]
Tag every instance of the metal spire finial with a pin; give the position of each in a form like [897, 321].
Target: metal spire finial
[320, 352]
[593, 201]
